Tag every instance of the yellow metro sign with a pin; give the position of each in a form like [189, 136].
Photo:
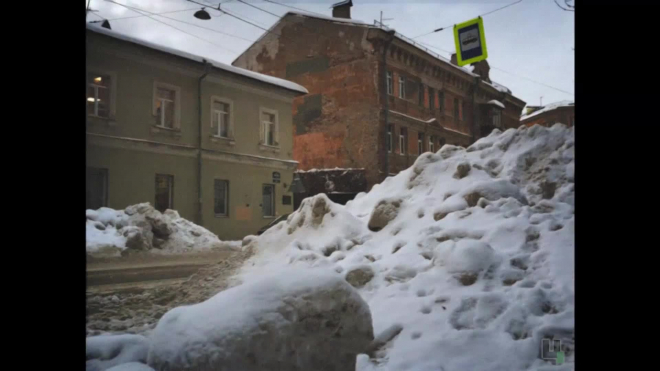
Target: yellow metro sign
[470, 42]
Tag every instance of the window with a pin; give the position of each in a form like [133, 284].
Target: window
[268, 205]
[421, 95]
[442, 142]
[221, 119]
[403, 141]
[96, 188]
[164, 192]
[220, 197]
[432, 143]
[98, 95]
[165, 105]
[389, 138]
[442, 100]
[269, 131]
[456, 109]
[390, 88]
[268, 120]
[497, 118]
[402, 87]
[431, 99]
[420, 143]
[462, 112]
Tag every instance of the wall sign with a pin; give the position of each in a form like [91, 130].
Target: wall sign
[276, 177]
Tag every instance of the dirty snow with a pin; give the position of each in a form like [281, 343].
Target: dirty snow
[471, 273]
[104, 352]
[108, 231]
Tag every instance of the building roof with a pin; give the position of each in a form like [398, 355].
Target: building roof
[345, 2]
[549, 107]
[197, 58]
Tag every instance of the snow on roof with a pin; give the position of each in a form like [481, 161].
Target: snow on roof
[239, 71]
[496, 103]
[345, 2]
[499, 87]
[414, 118]
[327, 18]
[335, 169]
[549, 107]
[456, 131]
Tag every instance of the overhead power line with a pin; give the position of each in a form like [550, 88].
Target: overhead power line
[480, 15]
[140, 16]
[169, 25]
[293, 7]
[499, 69]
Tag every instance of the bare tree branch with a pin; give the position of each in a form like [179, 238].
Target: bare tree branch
[570, 7]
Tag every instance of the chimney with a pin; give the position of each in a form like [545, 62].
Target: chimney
[342, 9]
[482, 69]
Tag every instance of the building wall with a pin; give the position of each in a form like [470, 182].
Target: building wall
[134, 150]
[341, 123]
[336, 124]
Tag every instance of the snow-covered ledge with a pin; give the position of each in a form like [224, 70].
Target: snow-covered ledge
[265, 147]
[223, 140]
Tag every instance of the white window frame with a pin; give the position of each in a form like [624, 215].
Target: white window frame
[272, 200]
[402, 141]
[402, 87]
[177, 104]
[262, 128]
[389, 79]
[431, 144]
[230, 130]
[497, 118]
[112, 87]
[226, 213]
[420, 144]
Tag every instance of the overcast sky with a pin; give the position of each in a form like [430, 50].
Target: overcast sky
[533, 39]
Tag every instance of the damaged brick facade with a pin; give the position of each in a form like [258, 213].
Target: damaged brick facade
[342, 121]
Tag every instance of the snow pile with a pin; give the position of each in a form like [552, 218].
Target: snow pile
[465, 258]
[141, 227]
[294, 319]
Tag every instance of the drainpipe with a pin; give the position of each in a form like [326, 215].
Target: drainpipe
[200, 219]
[387, 100]
[475, 111]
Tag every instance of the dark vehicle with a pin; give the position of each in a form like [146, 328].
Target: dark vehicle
[266, 227]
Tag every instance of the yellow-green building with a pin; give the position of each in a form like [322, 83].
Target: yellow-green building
[210, 140]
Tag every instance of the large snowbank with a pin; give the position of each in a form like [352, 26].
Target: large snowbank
[141, 227]
[470, 263]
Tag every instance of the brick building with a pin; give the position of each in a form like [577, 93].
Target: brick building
[560, 112]
[376, 99]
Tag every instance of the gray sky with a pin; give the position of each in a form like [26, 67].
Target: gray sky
[529, 40]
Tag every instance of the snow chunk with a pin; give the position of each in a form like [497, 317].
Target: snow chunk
[300, 319]
[106, 351]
